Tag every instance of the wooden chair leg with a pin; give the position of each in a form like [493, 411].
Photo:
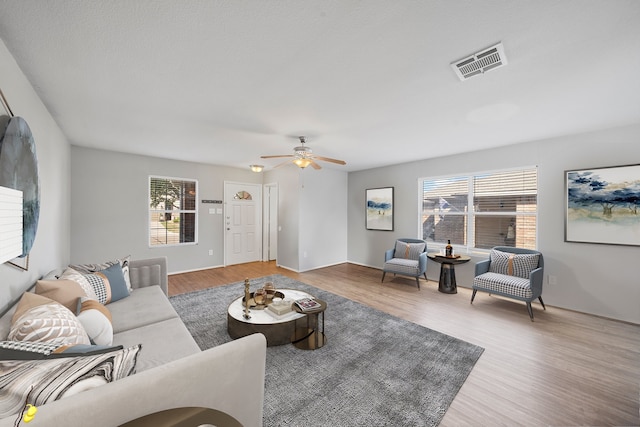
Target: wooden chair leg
[418, 282]
[473, 295]
[383, 273]
[540, 298]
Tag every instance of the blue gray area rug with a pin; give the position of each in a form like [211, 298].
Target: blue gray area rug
[375, 369]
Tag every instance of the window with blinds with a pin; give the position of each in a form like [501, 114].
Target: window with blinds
[481, 210]
[172, 211]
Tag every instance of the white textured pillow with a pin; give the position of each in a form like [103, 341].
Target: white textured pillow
[39, 319]
[95, 319]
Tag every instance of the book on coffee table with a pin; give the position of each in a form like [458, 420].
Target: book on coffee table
[307, 304]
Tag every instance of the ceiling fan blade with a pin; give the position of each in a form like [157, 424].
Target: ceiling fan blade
[329, 159]
[275, 157]
[315, 165]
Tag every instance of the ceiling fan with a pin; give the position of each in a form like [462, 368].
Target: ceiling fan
[303, 157]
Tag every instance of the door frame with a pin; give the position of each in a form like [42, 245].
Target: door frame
[270, 194]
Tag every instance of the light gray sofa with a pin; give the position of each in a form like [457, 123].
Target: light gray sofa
[171, 371]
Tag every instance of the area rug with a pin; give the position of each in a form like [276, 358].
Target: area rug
[375, 369]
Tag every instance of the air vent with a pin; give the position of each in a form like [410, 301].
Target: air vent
[480, 62]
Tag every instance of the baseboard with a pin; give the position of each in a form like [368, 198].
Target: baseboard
[195, 269]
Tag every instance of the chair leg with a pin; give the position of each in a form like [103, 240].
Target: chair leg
[473, 295]
[540, 298]
[383, 273]
[418, 282]
[425, 276]
[530, 310]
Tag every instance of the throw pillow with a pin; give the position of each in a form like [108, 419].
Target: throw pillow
[40, 319]
[92, 268]
[41, 381]
[66, 292]
[108, 284]
[105, 286]
[96, 320]
[510, 264]
[24, 350]
[80, 279]
[408, 250]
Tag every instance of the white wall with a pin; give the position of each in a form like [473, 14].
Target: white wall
[51, 245]
[597, 279]
[109, 207]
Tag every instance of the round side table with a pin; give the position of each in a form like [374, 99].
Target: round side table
[447, 283]
[312, 337]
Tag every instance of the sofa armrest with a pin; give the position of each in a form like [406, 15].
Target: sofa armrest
[482, 267]
[536, 278]
[388, 254]
[422, 262]
[149, 272]
[229, 378]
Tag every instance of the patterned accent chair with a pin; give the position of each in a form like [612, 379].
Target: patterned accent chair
[407, 258]
[511, 272]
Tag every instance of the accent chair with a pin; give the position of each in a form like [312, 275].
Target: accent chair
[407, 258]
[515, 273]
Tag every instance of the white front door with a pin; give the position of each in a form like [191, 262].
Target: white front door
[242, 221]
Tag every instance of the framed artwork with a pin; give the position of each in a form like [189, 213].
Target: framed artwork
[603, 205]
[379, 208]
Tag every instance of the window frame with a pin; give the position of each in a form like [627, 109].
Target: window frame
[154, 210]
[471, 214]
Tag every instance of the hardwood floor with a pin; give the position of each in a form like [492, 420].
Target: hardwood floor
[566, 368]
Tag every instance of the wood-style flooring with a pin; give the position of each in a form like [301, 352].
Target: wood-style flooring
[564, 369]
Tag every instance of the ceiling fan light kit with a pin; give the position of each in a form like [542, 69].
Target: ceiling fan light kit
[303, 156]
[256, 168]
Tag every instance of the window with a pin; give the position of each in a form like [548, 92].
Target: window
[172, 211]
[481, 211]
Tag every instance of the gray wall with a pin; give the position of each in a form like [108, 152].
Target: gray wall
[312, 214]
[51, 245]
[598, 279]
[109, 207]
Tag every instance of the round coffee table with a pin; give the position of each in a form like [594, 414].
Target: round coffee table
[277, 329]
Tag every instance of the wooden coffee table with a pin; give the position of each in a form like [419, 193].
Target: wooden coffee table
[278, 330]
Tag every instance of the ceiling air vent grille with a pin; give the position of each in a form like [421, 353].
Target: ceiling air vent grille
[480, 62]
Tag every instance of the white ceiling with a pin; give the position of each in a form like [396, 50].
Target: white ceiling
[367, 81]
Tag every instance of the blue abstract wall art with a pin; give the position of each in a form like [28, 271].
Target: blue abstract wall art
[379, 209]
[603, 205]
[19, 170]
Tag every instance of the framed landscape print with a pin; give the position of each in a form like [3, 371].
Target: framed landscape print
[379, 209]
[603, 205]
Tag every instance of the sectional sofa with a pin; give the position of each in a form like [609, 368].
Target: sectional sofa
[161, 365]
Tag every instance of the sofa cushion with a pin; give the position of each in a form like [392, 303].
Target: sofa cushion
[504, 284]
[144, 306]
[519, 265]
[163, 342]
[43, 381]
[402, 266]
[92, 268]
[408, 250]
[40, 319]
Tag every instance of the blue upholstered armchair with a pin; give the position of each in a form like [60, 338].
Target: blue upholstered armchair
[511, 272]
[407, 258]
